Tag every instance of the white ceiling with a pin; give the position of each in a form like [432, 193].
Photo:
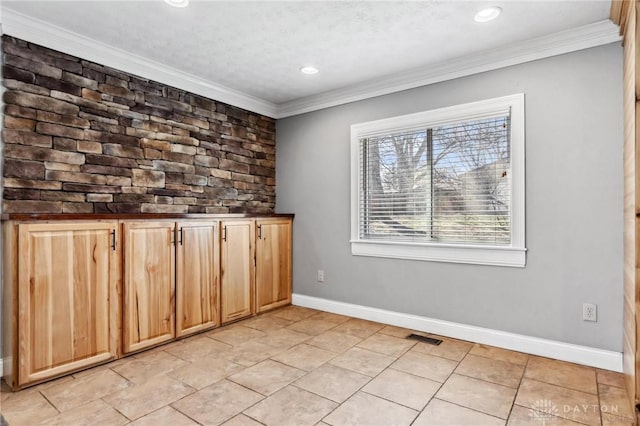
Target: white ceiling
[257, 48]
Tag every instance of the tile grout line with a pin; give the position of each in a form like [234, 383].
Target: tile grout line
[515, 397]
[437, 390]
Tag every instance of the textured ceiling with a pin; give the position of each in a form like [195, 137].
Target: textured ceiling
[258, 47]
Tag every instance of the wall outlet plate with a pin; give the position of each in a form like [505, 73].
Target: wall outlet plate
[320, 276]
[589, 312]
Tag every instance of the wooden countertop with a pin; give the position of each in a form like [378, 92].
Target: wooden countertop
[135, 216]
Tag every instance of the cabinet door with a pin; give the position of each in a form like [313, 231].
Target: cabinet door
[149, 284]
[198, 277]
[273, 264]
[237, 269]
[67, 292]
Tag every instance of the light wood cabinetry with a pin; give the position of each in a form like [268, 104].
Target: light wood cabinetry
[66, 298]
[273, 263]
[237, 269]
[198, 276]
[79, 292]
[148, 285]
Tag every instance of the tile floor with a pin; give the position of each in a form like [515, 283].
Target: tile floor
[297, 366]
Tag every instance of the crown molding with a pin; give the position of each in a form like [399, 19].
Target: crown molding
[54, 37]
[45, 34]
[584, 37]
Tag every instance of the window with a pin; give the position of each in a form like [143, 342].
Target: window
[444, 185]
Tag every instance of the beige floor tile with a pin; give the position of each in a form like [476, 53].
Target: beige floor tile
[334, 383]
[425, 365]
[291, 407]
[567, 403]
[266, 323]
[443, 413]
[141, 399]
[403, 388]
[359, 327]
[328, 316]
[141, 369]
[93, 413]
[46, 385]
[399, 332]
[111, 365]
[293, 313]
[304, 356]
[235, 334]
[164, 416]
[562, 373]
[203, 373]
[283, 338]
[489, 398]
[250, 353]
[491, 370]
[499, 354]
[611, 420]
[217, 403]
[614, 400]
[27, 407]
[197, 348]
[610, 378]
[449, 348]
[70, 394]
[312, 326]
[160, 348]
[387, 345]
[334, 341]
[365, 409]
[241, 420]
[267, 377]
[522, 416]
[363, 361]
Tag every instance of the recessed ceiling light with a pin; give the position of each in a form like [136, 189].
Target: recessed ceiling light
[487, 14]
[177, 3]
[309, 70]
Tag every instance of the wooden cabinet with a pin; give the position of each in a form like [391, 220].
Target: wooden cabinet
[66, 297]
[198, 276]
[148, 285]
[79, 293]
[273, 263]
[237, 269]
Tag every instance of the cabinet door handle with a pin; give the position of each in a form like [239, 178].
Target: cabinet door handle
[224, 233]
[181, 236]
[113, 239]
[259, 232]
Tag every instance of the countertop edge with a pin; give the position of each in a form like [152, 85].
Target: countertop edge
[135, 216]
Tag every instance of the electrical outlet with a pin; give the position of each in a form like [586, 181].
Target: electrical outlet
[589, 312]
[320, 276]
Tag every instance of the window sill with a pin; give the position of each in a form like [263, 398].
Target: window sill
[477, 255]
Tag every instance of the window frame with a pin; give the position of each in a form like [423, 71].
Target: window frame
[514, 254]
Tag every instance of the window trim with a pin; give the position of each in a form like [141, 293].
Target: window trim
[513, 255]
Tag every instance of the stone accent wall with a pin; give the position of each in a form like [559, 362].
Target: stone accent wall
[80, 137]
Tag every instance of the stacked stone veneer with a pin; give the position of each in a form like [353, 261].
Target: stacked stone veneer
[80, 137]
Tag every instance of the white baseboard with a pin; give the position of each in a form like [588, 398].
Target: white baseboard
[593, 357]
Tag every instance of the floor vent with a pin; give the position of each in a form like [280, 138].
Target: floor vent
[424, 339]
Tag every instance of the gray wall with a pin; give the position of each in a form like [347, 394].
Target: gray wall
[573, 198]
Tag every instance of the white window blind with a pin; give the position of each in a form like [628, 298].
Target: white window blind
[445, 185]
[449, 183]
